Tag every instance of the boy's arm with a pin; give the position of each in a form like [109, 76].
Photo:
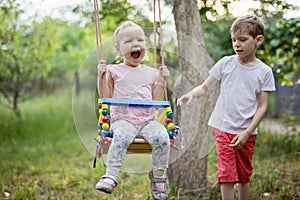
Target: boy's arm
[160, 83]
[242, 138]
[197, 91]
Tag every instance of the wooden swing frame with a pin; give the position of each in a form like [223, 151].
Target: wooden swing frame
[139, 144]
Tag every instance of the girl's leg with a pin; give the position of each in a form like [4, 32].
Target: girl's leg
[123, 134]
[157, 136]
[243, 191]
[227, 191]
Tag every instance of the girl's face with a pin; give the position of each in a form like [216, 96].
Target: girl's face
[245, 45]
[131, 45]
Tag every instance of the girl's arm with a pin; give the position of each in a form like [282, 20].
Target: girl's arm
[104, 81]
[160, 83]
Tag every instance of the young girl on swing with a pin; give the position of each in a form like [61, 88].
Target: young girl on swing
[133, 80]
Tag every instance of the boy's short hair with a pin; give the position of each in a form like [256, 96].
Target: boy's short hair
[250, 23]
[123, 26]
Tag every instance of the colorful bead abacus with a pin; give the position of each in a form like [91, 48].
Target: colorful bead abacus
[104, 118]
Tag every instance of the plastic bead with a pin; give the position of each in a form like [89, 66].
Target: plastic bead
[169, 127]
[99, 131]
[100, 117]
[172, 141]
[105, 112]
[104, 106]
[105, 119]
[169, 114]
[170, 133]
[99, 105]
[105, 133]
[105, 126]
[168, 109]
[168, 120]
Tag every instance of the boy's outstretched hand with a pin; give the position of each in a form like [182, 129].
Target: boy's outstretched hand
[187, 98]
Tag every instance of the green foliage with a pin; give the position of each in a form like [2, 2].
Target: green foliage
[217, 37]
[281, 49]
[42, 157]
[268, 8]
[35, 55]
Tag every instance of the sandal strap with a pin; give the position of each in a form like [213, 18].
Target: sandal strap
[108, 177]
[160, 191]
[155, 179]
[159, 180]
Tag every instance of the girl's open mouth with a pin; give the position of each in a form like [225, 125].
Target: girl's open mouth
[136, 54]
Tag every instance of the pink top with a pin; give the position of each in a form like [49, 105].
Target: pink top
[132, 83]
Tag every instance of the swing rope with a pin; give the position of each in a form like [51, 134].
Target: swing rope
[160, 32]
[100, 45]
[98, 31]
[161, 41]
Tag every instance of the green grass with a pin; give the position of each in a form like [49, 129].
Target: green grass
[42, 157]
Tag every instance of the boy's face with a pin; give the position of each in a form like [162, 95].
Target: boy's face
[131, 45]
[244, 44]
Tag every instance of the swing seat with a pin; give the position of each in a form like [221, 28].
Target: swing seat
[138, 146]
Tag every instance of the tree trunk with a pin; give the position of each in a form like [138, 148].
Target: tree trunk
[77, 83]
[16, 89]
[188, 172]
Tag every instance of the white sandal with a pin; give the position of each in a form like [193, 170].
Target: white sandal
[158, 187]
[106, 184]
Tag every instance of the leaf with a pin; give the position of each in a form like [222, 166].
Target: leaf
[275, 42]
[295, 40]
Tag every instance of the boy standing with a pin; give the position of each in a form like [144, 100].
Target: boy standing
[245, 86]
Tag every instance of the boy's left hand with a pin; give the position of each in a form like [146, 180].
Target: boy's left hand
[239, 140]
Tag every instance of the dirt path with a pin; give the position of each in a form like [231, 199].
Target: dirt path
[278, 126]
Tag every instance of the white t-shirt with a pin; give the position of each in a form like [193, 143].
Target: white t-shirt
[238, 99]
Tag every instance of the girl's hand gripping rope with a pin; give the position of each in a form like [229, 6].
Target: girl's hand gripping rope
[101, 68]
[163, 73]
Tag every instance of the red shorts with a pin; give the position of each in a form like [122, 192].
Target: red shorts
[234, 165]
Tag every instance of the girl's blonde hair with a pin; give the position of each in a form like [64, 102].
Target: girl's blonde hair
[119, 30]
[124, 26]
[250, 23]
